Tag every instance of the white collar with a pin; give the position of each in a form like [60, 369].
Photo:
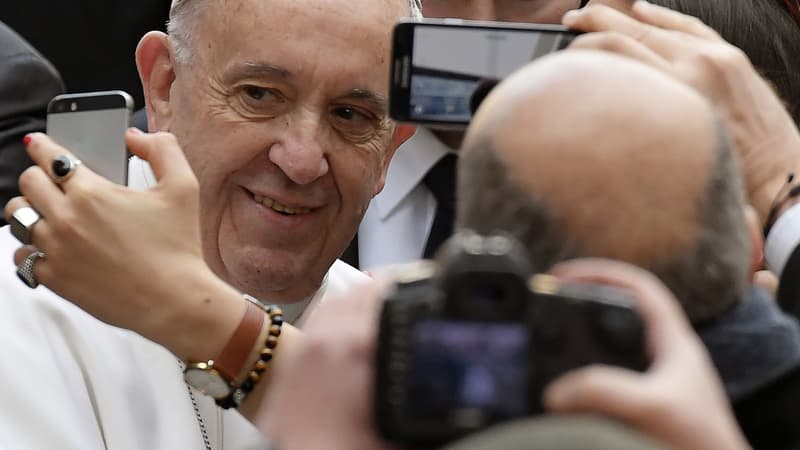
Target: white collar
[407, 169]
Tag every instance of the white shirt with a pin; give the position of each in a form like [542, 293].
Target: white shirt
[70, 381]
[783, 239]
[395, 228]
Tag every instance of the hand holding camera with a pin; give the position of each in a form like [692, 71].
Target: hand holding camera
[475, 340]
[679, 400]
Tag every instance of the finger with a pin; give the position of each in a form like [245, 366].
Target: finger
[13, 205]
[44, 150]
[664, 319]
[599, 18]
[623, 45]
[40, 268]
[21, 253]
[40, 191]
[28, 221]
[602, 390]
[163, 153]
[672, 20]
[596, 18]
[767, 281]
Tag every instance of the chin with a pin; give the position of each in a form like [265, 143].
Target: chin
[275, 278]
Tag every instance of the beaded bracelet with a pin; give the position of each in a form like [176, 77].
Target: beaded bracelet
[241, 392]
[788, 192]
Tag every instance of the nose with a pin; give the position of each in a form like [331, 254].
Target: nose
[300, 154]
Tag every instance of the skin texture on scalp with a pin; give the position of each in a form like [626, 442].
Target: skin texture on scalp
[287, 100]
[592, 166]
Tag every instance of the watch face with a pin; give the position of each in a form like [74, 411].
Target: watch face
[209, 382]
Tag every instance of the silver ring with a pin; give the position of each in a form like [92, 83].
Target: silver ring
[25, 270]
[63, 167]
[22, 221]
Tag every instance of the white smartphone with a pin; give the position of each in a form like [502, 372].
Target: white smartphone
[92, 126]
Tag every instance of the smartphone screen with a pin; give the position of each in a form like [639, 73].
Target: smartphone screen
[92, 126]
[442, 70]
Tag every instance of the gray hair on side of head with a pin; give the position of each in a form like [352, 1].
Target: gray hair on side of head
[708, 279]
[181, 30]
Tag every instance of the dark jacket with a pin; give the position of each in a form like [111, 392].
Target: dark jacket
[756, 349]
[27, 83]
[91, 42]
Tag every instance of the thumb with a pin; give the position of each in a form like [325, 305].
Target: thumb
[602, 390]
[161, 151]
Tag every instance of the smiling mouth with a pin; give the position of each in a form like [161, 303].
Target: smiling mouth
[279, 207]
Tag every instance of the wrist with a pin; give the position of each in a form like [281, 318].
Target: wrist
[765, 171]
[770, 194]
[201, 313]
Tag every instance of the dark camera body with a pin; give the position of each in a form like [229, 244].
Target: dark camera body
[476, 342]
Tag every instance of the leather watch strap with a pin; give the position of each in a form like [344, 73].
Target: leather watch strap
[233, 357]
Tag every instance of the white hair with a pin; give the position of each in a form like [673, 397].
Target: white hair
[181, 30]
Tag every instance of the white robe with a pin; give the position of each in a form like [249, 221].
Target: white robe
[69, 381]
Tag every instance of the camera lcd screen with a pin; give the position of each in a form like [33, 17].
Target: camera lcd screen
[469, 372]
[452, 68]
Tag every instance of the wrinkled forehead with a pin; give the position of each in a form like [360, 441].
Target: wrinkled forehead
[410, 7]
[331, 45]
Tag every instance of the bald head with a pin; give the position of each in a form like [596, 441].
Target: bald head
[608, 158]
[607, 132]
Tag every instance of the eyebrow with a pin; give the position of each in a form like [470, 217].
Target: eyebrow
[266, 70]
[257, 70]
[375, 100]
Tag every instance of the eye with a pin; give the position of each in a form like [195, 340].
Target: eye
[349, 114]
[353, 123]
[257, 92]
[257, 101]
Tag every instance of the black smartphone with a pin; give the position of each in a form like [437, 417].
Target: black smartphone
[92, 126]
[443, 68]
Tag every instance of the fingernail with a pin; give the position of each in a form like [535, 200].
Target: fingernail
[135, 130]
[27, 139]
[571, 15]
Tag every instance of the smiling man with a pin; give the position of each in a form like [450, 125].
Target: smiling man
[282, 113]
[280, 107]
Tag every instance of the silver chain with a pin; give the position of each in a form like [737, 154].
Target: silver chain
[200, 421]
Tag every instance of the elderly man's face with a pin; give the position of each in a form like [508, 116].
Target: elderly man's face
[282, 115]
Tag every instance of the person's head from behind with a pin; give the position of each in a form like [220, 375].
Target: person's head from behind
[588, 154]
[281, 109]
[768, 31]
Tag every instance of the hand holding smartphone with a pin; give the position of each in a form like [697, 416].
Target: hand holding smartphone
[92, 126]
[443, 69]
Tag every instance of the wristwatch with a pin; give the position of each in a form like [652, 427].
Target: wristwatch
[217, 377]
[204, 377]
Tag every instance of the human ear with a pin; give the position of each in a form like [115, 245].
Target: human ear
[154, 60]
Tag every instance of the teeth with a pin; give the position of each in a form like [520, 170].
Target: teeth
[275, 206]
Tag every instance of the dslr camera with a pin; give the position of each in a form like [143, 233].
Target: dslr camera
[474, 338]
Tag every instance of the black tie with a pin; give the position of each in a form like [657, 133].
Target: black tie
[441, 180]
